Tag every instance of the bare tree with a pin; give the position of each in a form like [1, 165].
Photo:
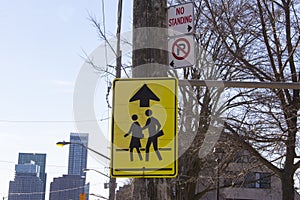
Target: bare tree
[255, 41]
[262, 38]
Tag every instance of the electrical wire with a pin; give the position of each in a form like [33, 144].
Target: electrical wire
[55, 191]
[52, 121]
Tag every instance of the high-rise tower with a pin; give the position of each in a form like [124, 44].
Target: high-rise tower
[40, 160]
[77, 154]
[27, 184]
[70, 186]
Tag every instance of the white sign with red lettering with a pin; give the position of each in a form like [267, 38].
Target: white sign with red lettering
[181, 19]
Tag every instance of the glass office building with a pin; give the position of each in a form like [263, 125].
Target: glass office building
[40, 160]
[27, 184]
[68, 187]
[77, 154]
[72, 185]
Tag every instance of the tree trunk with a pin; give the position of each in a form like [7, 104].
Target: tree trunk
[288, 191]
[287, 177]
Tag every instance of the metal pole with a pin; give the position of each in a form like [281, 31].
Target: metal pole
[94, 151]
[112, 181]
[63, 143]
[119, 60]
[96, 171]
[97, 195]
[218, 181]
[241, 84]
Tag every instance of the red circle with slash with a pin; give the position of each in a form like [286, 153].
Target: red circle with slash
[180, 45]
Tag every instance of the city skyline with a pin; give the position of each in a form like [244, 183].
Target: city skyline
[43, 47]
[30, 179]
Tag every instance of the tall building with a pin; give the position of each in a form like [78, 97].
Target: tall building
[40, 160]
[72, 185]
[77, 154]
[27, 184]
[68, 187]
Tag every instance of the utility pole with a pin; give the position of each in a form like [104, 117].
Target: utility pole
[149, 62]
[146, 62]
[112, 181]
[119, 53]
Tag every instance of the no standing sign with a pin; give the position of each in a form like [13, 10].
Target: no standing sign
[181, 19]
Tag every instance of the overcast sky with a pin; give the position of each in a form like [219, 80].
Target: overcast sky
[41, 47]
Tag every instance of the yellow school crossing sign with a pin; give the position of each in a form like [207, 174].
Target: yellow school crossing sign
[144, 128]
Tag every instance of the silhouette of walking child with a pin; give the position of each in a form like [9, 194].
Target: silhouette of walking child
[136, 131]
[154, 127]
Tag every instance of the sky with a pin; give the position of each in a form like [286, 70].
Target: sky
[42, 45]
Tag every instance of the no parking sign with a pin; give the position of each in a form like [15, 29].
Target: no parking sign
[181, 51]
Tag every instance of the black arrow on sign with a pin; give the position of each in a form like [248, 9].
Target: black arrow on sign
[144, 95]
[189, 28]
[172, 63]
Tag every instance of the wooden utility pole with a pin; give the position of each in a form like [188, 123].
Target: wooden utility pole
[149, 62]
[146, 61]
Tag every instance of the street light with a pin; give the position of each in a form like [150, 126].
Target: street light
[112, 181]
[219, 152]
[97, 195]
[85, 170]
[63, 143]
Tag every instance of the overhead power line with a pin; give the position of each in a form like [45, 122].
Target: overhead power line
[52, 121]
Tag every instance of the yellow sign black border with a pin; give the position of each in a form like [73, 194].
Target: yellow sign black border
[174, 169]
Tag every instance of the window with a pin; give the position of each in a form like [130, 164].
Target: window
[265, 180]
[257, 180]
